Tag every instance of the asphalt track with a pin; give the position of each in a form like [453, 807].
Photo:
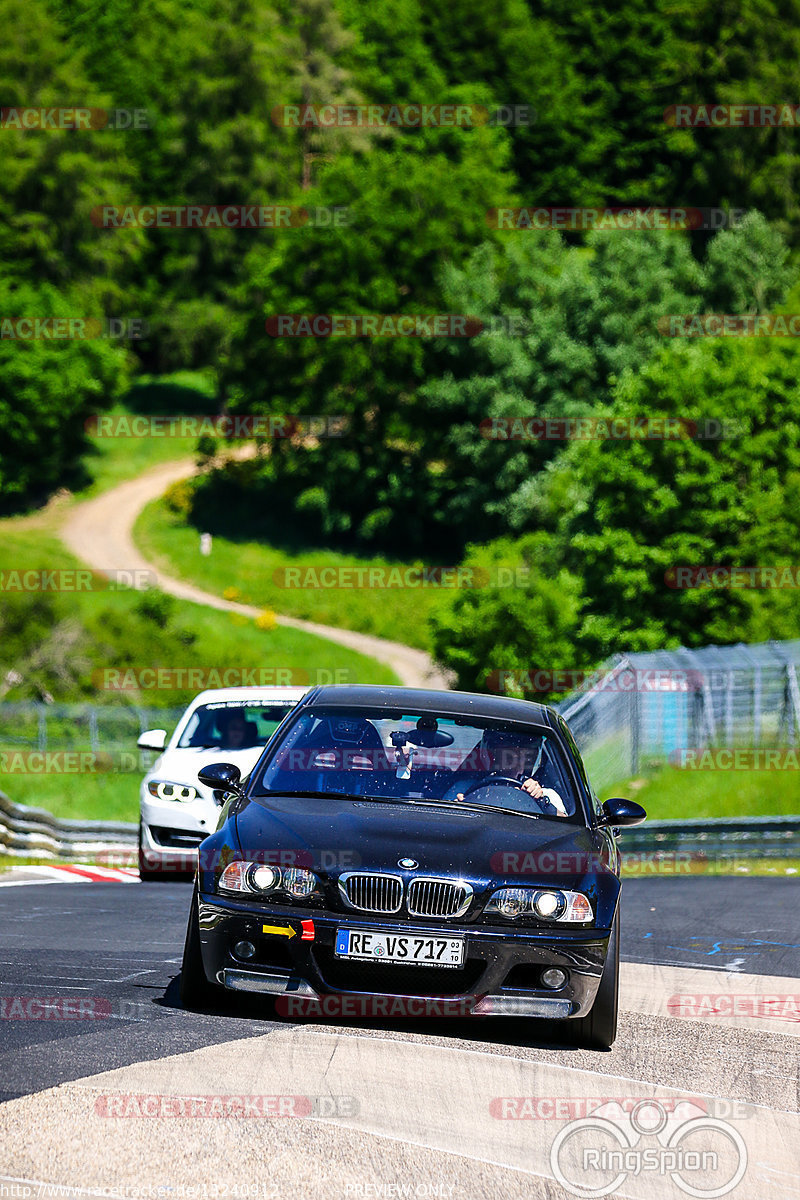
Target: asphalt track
[711, 1019]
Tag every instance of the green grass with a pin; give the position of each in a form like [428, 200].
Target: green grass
[85, 797]
[59, 641]
[400, 614]
[675, 793]
[113, 460]
[681, 867]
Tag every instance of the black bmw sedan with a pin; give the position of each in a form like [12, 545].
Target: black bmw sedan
[402, 851]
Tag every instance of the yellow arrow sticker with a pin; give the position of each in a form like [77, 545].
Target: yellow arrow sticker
[281, 930]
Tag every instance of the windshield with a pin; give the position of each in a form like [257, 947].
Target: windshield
[233, 724]
[422, 757]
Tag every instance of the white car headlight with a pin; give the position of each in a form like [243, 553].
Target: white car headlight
[549, 904]
[163, 789]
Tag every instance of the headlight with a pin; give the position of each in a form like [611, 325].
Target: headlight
[258, 879]
[165, 790]
[510, 902]
[263, 879]
[548, 904]
[299, 883]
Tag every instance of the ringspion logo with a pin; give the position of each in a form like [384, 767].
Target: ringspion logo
[704, 1156]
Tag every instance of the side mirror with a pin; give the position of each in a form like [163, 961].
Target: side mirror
[622, 812]
[222, 777]
[152, 739]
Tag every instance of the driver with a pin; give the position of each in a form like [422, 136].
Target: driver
[506, 758]
[233, 729]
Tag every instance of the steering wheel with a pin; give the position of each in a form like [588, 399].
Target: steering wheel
[488, 780]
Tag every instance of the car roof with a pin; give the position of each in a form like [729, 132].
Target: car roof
[452, 703]
[270, 694]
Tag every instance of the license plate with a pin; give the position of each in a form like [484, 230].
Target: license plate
[414, 949]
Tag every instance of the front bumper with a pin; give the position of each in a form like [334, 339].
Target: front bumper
[171, 832]
[501, 974]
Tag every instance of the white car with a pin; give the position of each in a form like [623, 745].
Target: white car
[177, 811]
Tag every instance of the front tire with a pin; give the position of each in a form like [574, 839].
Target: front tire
[598, 1029]
[196, 993]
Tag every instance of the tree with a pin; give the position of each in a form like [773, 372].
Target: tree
[407, 204]
[48, 389]
[521, 618]
[627, 514]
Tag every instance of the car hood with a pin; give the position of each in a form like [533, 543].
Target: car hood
[182, 765]
[334, 835]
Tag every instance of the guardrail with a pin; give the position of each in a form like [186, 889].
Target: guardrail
[36, 832]
[717, 837]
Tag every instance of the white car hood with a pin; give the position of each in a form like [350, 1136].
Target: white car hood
[181, 766]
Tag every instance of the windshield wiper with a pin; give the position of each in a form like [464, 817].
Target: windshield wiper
[312, 795]
[513, 812]
[355, 796]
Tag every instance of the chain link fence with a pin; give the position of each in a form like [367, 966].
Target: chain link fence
[28, 725]
[647, 709]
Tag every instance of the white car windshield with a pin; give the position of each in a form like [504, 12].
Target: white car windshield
[421, 756]
[233, 724]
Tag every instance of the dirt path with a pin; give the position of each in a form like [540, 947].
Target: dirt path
[100, 531]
